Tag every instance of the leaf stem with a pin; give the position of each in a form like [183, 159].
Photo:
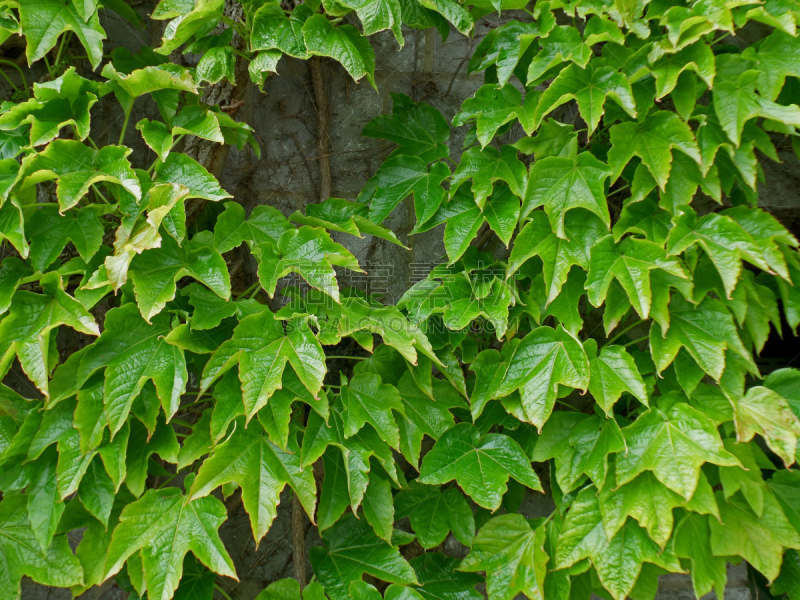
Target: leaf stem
[64, 41]
[8, 79]
[198, 401]
[641, 339]
[618, 190]
[221, 591]
[47, 64]
[19, 70]
[569, 406]
[332, 356]
[99, 193]
[623, 332]
[248, 291]
[236, 27]
[125, 125]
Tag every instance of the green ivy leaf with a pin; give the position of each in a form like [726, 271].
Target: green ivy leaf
[378, 15]
[183, 170]
[618, 561]
[351, 462]
[272, 29]
[217, 64]
[43, 21]
[697, 57]
[705, 330]
[673, 444]
[352, 549]
[399, 177]
[644, 218]
[463, 219]
[66, 100]
[778, 56]
[262, 348]
[12, 271]
[580, 444]
[12, 224]
[262, 469]
[652, 140]
[433, 513]
[467, 305]
[491, 108]
[345, 216]
[651, 503]
[155, 272]
[545, 359]
[736, 101]
[480, 464]
[561, 184]
[418, 129]
[27, 331]
[308, 251]
[562, 44]
[131, 351]
[759, 540]
[589, 87]
[767, 413]
[512, 554]
[181, 525]
[613, 372]
[209, 309]
[367, 400]
[343, 43]
[453, 12]
[693, 543]
[187, 19]
[722, 238]
[21, 554]
[558, 254]
[53, 231]
[485, 167]
[629, 263]
[552, 139]
[422, 417]
[265, 224]
[77, 167]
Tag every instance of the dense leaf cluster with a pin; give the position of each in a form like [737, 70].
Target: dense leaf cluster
[665, 444]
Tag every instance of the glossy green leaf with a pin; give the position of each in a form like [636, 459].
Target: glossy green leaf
[589, 87]
[561, 184]
[654, 140]
[417, 129]
[513, 556]
[618, 561]
[434, 513]
[487, 166]
[480, 464]
[262, 470]
[759, 540]
[43, 22]
[21, 554]
[352, 549]
[182, 525]
[673, 444]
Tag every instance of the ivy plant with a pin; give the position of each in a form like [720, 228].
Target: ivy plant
[594, 329]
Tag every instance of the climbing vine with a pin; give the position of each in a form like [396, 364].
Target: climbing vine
[594, 329]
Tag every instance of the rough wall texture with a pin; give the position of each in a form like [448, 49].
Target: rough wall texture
[287, 177]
